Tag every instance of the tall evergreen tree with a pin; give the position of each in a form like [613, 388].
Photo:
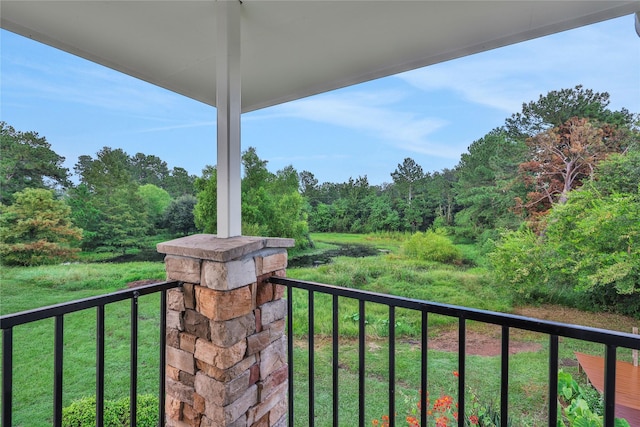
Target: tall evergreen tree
[27, 161]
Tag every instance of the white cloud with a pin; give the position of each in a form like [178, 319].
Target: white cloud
[602, 57]
[372, 113]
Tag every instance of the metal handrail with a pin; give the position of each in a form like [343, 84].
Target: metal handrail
[58, 311]
[611, 339]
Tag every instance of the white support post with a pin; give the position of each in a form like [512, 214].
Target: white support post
[228, 103]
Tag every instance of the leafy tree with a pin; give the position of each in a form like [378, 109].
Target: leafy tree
[110, 169]
[309, 188]
[179, 183]
[37, 230]
[255, 174]
[441, 191]
[155, 200]
[112, 194]
[271, 204]
[179, 215]
[557, 107]
[27, 161]
[619, 173]
[382, 217]
[596, 242]
[561, 159]
[589, 253]
[487, 188]
[148, 169]
[206, 210]
[124, 221]
[519, 261]
[86, 214]
[406, 176]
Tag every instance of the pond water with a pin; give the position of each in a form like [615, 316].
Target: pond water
[354, 251]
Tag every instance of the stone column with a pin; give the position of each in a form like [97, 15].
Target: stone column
[226, 347]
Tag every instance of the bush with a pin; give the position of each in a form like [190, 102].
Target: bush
[432, 246]
[82, 413]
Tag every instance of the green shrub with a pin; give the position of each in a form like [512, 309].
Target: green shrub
[82, 413]
[432, 246]
[580, 406]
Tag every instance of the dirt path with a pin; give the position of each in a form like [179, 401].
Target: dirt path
[485, 340]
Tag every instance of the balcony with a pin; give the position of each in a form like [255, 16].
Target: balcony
[242, 368]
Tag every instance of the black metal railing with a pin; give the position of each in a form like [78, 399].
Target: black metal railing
[610, 339]
[58, 311]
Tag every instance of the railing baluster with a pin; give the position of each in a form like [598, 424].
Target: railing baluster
[100, 366]
[290, 350]
[609, 385]
[7, 376]
[423, 369]
[462, 356]
[133, 386]
[553, 380]
[361, 360]
[7, 322]
[58, 365]
[392, 366]
[335, 339]
[504, 378]
[163, 356]
[311, 362]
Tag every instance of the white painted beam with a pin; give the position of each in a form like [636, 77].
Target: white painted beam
[228, 102]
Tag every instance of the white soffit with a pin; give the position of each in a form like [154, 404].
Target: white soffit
[290, 49]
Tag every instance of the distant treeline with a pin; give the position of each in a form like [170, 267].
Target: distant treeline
[561, 165]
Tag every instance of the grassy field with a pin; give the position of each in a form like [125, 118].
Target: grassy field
[468, 285]
[26, 288]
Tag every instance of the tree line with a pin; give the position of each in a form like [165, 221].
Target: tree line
[565, 162]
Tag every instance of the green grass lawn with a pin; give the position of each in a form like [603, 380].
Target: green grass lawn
[468, 285]
[27, 288]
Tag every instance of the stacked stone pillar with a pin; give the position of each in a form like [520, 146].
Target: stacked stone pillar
[226, 347]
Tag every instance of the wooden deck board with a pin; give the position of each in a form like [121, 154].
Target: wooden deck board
[627, 385]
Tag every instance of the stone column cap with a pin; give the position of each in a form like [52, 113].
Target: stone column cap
[214, 248]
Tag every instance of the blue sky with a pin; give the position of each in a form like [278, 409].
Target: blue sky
[431, 115]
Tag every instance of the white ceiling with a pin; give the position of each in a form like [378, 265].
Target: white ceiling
[290, 49]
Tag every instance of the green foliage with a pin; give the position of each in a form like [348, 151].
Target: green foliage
[558, 106]
[589, 251]
[519, 262]
[620, 173]
[124, 221]
[432, 246]
[112, 210]
[577, 405]
[156, 200]
[110, 169]
[487, 188]
[180, 183]
[86, 214]
[27, 161]
[179, 215]
[37, 230]
[271, 203]
[82, 412]
[206, 210]
[147, 169]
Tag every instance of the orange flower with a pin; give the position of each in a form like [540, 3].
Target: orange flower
[456, 374]
[473, 419]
